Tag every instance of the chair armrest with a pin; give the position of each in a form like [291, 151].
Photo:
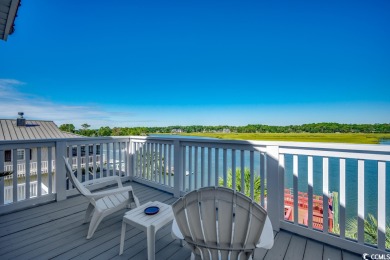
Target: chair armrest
[267, 235]
[104, 180]
[101, 194]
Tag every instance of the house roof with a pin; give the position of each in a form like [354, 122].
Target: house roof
[8, 13]
[34, 129]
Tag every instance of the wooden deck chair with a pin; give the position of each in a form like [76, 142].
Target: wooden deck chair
[219, 223]
[102, 203]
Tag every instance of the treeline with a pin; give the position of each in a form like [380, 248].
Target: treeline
[305, 128]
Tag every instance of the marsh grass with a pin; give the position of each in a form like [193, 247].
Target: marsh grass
[358, 138]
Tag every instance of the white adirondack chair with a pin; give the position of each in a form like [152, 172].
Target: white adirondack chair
[102, 203]
[219, 223]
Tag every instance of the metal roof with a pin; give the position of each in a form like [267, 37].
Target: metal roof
[8, 11]
[34, 129]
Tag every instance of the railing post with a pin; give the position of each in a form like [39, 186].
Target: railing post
[60, 174]
[177, 164]
[273, 192]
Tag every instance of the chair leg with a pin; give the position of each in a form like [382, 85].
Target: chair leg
[89, 212]
[95, 221]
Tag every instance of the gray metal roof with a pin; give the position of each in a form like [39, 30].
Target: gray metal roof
[8, 10]
[34, 129]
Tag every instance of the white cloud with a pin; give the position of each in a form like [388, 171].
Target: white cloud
[13, 101]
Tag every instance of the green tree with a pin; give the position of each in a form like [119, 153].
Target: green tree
[104, 131]
[85, 126]
[67, 128]
[247, 183]
[370, 230]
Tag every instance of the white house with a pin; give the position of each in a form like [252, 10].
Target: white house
[22, 129]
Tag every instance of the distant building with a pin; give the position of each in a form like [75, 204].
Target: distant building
[177, 131]
[22, 129]
[226, 130]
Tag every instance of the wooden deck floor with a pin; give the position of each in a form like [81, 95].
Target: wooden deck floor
[56, 231]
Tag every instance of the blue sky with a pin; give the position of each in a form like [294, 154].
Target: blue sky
[160, 63]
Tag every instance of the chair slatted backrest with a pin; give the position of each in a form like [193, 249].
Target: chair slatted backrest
[218, 221]
[79, 186]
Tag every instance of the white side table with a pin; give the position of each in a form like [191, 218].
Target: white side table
[148, 223]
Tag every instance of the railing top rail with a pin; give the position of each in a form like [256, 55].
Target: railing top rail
[370, 148]
[70, 140]
[340, 147]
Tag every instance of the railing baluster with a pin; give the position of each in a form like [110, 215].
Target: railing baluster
[224, 167]
[144, 160]
[196, 168]
[325, 194]
[94, 161]
[252, 173]
[156, 153]
[79, 171]
[216, 166]
[190, 169]
[234, 169]
[310, 191]
[15, 176]
[170, 165]
[183, 171]
[149, 163]
[242, 162]
[135, 160]
[342, 205]
[262, 169]
[71, 160]
[114, 162]
[202, 167]
[108, 151]
[86, 162]
[50, 169]
[128, 153]
[160, 153]
[209, 164]
[295, 187]
[382, 205]
[165, 148]
[120, 158]
[361, 203]
[39, 172]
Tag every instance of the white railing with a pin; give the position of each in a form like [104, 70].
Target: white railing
[295, 182]
[21, 191]
[21, 167]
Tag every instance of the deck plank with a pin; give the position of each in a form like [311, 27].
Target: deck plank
[331, 253]
[349, 256]
[313, 250]
[278, 251]
[56, 230]
[296, 248]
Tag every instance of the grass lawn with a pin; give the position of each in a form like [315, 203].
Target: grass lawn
[300, 137]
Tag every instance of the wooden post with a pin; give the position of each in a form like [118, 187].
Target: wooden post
[178, 171]
[60, 174]
[273, 191]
